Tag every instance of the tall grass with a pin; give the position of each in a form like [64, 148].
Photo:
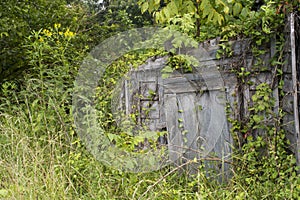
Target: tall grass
[41, 156]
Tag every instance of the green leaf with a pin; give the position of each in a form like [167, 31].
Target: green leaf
[151, 6]
[261, 107]
[165, 76]
[257, 118]
[220, 18]
[237, 8]
[166, 13]
[254, 98]
[177, 42]
[4, 34]
[189, 7]
[226, 10]
[113, 137]
[167, 69]
[158, 17]
[245, 12]
[172, 8]
[156, 2]
[144, 7]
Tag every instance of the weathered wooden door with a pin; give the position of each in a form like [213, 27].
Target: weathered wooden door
[191, 113]
[196, 121]
[142, 95]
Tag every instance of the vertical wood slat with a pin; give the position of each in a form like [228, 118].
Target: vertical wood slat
[175, 140]
[190, 124]
[295, 88]
[274, 84]
[127, 103]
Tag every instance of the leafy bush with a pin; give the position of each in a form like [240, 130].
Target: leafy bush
[19, 19]
[41, 156]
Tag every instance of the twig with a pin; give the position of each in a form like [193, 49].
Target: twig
[163, 177]
[179, 167]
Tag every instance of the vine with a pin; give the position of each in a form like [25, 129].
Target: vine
[260, 139]
[131, 139]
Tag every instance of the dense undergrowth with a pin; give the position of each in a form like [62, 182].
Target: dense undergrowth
[41, 156]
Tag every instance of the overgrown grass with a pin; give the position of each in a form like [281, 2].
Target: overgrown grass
[41, 156]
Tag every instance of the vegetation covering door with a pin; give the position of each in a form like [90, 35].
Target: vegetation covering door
[181, 104]
[195, 120]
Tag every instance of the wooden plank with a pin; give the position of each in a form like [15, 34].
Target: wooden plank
[214, 137]
[295, 88]
[175, 140]
[273, 78]
[186, 83]
[212, 117]
[288, 83]
[258, 78]
[246, 101]
[287, 103]
[190, 122]
[289, 127]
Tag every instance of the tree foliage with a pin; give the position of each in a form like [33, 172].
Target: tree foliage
[199, 12]
[213, 18]
[18, 19]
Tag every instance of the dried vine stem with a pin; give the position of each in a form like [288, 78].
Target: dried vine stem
[179, 167]
[165, 176]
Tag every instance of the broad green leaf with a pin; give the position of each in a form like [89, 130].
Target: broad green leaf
[167, 69]
[156, 2]
[220, 2]
[144, 7]
[189, 6]
[157, 17]
[173, 9]
[178, 3]
[210, 16]
[254, 98]
[151, 6]
[220, 18]
[245, 12]
[261, 107]
[257, 118]
[114, 137]
[226, 10]
[237, 8]
[204, 5]
[166, 13]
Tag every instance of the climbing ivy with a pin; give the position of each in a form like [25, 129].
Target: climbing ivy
[261, 147]
[128, 138]
[264, 158]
